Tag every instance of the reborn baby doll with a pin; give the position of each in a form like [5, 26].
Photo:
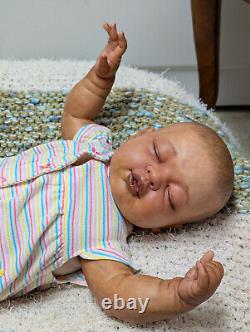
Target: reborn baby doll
[68, 206]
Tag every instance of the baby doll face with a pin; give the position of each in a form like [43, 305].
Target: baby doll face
[163, 177]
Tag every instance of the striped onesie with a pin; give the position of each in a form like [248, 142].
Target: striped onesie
[52, 212]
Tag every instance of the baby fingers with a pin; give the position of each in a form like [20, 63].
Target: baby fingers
[202, 278]
[209, 278]
[215, 271]
[208, 256]
[122, 41]
[111, 30]
[192, 273]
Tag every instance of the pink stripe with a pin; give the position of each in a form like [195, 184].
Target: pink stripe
[63, 197]
[112, 251]
[73, 215]
[53, 163]
[38, 148]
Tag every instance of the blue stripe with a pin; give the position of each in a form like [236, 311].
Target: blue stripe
[75, 148]
[107, 254]
[49, 149]
[13, 235]
[81, 132]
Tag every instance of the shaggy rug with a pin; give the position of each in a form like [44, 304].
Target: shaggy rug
[32, 95]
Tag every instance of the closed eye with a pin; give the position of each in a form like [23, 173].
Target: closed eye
[170, 200]
[156, 151]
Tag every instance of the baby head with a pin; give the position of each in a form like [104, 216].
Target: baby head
[177, 174]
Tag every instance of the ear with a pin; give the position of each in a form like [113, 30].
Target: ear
[142, 132]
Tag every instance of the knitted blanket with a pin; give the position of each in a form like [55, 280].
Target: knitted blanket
[32, 96]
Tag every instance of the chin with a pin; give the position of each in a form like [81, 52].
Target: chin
[139, 224]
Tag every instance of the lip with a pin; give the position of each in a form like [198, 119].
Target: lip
[132, 184]
[135, 184]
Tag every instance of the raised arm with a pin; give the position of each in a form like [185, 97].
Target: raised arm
[156, 299]
[87, 97]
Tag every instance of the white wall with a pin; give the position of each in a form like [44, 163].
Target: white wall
[159, 34]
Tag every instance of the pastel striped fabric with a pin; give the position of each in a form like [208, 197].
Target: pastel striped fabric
[51, 212]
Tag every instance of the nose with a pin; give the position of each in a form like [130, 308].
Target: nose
[154, 177]
[147, 178]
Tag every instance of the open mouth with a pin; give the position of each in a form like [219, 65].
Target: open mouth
[132, 184]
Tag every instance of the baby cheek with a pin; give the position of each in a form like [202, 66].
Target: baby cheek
[152, 206]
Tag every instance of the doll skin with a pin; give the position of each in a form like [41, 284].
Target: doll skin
[168, 196]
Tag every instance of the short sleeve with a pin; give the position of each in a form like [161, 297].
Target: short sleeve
[116, 250]
[112, 250]
[96, 139]
[94, 132]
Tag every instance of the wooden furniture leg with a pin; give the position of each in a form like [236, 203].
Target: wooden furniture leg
[206, 27]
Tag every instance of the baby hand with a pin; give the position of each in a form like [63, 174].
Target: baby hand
[110, 58]
[201, 281]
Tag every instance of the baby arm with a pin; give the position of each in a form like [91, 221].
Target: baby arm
[87, 97]
[167, 298]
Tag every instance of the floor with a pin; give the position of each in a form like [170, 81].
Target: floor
[239, 122]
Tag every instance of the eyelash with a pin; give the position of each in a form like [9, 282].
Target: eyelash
[155, 151]
[158, 158]
[170, 200]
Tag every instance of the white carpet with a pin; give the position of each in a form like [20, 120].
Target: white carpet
[166, 255]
